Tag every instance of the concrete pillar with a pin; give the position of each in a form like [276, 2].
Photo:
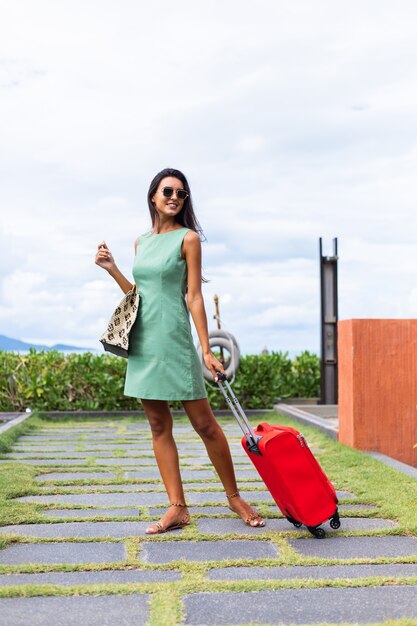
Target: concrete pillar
[378, 386]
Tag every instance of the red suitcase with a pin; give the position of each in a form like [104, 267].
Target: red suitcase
[289, 470]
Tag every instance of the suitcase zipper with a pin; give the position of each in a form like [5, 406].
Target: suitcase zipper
[302, 440]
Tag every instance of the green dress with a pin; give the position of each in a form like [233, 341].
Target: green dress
[163, 363]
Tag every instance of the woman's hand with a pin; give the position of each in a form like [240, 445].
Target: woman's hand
[104, 257]
[213, 365]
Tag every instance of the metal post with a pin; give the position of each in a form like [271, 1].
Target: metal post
[217, 317]
[329, 317]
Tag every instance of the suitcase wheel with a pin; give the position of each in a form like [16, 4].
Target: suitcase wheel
[335, 521]
[294, 522]
[316, 532]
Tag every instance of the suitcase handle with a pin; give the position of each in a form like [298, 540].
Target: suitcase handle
[251, 438]
[265, 426]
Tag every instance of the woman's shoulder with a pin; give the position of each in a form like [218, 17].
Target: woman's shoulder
[191, 236]
[191, 243]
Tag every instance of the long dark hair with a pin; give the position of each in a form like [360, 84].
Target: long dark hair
[186, 217]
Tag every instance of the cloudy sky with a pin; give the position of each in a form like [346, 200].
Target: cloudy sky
[293, 120]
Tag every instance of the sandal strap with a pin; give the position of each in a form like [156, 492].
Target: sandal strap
[236, 494]
[252, 517]
[177, 504]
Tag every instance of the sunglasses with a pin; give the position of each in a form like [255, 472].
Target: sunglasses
[168, 192]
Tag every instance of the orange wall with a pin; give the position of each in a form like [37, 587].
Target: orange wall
[378, 386]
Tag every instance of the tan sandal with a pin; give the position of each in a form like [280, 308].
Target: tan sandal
[252, 517]
[157, 528]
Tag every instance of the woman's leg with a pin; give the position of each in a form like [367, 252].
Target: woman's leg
[166, 454]
[204, 423]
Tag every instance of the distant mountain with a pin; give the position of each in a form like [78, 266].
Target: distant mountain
[12, 345]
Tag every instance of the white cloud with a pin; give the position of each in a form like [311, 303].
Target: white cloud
[292, 121]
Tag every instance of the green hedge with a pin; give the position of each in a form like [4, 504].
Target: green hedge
[50, 380]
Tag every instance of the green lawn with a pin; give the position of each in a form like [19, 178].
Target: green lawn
[393, 494]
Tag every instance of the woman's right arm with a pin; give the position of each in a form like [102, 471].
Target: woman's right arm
[104, 259]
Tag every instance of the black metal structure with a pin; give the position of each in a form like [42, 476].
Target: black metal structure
[329, 317]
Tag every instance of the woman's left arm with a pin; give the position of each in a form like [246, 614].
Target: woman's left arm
[192, 253]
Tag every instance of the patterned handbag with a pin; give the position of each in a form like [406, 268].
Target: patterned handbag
[116, 337]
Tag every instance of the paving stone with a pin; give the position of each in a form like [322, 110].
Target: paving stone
[185, 451]
[118, 577]
[191, 445]
[134, 454]
[50, 448]
[250, 484]
[117, 446]
[57, 476]
[144, 498]
[57, 455]
[65, 437]
[226, 526]
[97, 428]
[357, 547]
[41, 462]
[186, 474]
[144, 474]
[115, 530]
[86, 552]
[199, 510]
[110, 488]
[168, 551]
[138, 462]
[302, 606]
[106, 435]
[184, 432]
[342, 507]
[195, 497]
[357, 507]
[344, 495]
[133, 451]
[130, 439]
[94, 428]
[67, 440]
[49, 439]
[205, 485]
[143, 440]
[194, 448]
[243, 473]
[242, 461]
[69, 513]
[100, 499]
[75, 610]
[387, 570]
[194, 460]
[215, 484]
[218, 526]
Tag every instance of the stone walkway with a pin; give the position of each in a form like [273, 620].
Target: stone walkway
[84, 558]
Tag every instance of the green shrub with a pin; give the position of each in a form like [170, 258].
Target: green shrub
[305, 376]
[262, 379]
[50, 380]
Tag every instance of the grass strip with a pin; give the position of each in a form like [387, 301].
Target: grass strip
[8, 438]
[371, 482]
[180, 588]
[166, 606]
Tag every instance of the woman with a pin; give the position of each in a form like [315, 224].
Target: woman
[163, 363]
